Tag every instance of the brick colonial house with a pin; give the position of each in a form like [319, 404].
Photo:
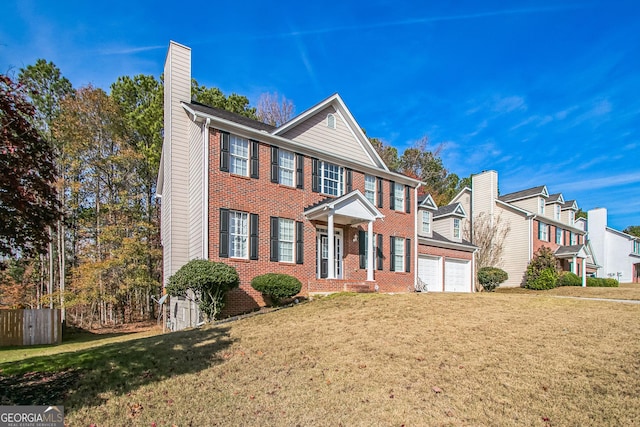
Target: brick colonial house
[535, 218]
[310, 198]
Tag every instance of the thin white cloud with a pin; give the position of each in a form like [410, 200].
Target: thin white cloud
[130, 50]
[423, 20]
[509, 104]
[605, 182]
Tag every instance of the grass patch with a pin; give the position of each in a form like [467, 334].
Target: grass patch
[412, 359]
[628, 291]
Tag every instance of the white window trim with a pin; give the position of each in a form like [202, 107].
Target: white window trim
[233, 215]
[233, 140]
[541, 203]
[282, 168]
[399, 243]
[323, 180]
[281, 241]
[427, 222]
[398, 203]
[456, 230]
[543, 232]
[373, 188]
[561, 242]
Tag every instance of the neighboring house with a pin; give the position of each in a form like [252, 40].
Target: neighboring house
[591, 260]
[310, 198]
[535, 218]
[446, 262]
[618, 253]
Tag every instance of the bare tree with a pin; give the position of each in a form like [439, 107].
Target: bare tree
[274, 110]
[489, 235]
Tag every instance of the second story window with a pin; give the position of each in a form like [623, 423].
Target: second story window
[331, 181]
[426, 222]
[572, 217]
[543, 232]
[541, 206]
[557, 212]
[456, 228]
[558, 236]
[286, 167]
[239, 153]
[398, 195]
[370, 188]
[636, 247]
[574, 239]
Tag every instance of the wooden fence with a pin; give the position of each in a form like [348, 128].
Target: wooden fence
[30, 327]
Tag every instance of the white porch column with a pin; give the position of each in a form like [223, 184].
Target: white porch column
[370, 251]
[331, 262]
[574, 267]
[584, 272]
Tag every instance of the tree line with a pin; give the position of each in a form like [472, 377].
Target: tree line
[79, 223]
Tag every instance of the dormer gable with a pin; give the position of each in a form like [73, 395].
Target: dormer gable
[448, 221]
[531, 199]
[330, 126]
[426, 202]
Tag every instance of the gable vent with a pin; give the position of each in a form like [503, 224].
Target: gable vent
[331, 121]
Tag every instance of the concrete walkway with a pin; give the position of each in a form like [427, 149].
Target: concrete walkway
[628, 301]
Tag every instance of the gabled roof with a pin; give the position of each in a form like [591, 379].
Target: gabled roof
[555, 198]
[571, 251]
[351, 208]
[570, 204]
[232, 117]
[454, 209]
[525, 194]
[460, 193]
[426, 202]
[336, 102]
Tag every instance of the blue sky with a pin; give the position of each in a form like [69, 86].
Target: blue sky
[544, 92]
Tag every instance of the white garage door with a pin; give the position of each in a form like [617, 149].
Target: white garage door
[429, 273]
[457, 275]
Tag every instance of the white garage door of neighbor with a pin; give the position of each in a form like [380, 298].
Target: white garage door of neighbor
[429, 272]
[457, 276]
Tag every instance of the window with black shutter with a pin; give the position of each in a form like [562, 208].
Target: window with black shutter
[315, 176]
[253, 236]
[380, 203]
[392, 255]
[224, 151]
[349, 180]
[299, 242]
[407, 252]
[379, 252]
[274, 164]
[223, 240]
[362, 248]
[392, 195]
[407, 199]
[273, 239]
[255, 164]
[299, 171]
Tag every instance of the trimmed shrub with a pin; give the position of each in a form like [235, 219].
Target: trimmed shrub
[542, 271]
[569, 279]
[546, 279]
[276, 286]
[598, 282]
[208, 280]
[491, 277]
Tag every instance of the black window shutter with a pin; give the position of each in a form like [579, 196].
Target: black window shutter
[224, 151]
[379, 252]
[392, 260]
[299, 242]
[224, 233]
[362, 248]
[299, 171]
[349, 180]
[380, 204]
[274, 165]
[407, 199]
[392, 193]
[253, 240]
[255, 155]
[273, 239]
[315, 176]
[407, 252]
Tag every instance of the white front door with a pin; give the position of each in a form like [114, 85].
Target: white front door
[322, 245]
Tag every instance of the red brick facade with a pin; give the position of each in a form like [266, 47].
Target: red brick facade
[266, 199]
[551, 244]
